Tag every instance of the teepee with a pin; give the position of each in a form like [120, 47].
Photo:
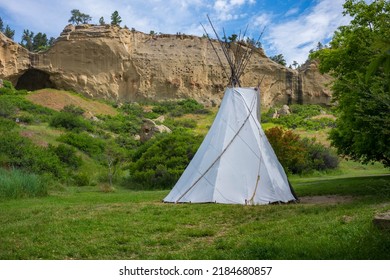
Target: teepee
[235, 164]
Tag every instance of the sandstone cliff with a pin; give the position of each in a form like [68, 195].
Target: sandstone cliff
[122, 65]
[14, 59]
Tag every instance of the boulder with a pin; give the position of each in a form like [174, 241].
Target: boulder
[285, 110]
[149, 128]
[382, 220]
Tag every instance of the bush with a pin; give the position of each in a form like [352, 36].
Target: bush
[74, 110]
[179, 108]
[298, 155]
[70, 121]
[181, 123]
[6, 125]
[67, 155]
[9, 89]
[288, 148]
[22, 104]
[19, 152]
[7, 108]
[18, 184]
[121, 124]
[301, 116]
[158, 163]
[84, 142]
[81, 179]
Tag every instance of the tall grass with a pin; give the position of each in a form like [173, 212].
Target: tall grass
[18, 184]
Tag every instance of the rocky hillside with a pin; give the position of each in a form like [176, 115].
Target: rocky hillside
[123, 65]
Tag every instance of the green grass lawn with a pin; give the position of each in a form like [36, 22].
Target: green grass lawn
[85, 223]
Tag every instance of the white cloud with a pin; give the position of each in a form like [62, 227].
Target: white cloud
[262, 20]
[295, 37]
[227, 10]
[291, 12]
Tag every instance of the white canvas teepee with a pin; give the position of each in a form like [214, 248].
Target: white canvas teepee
[235, 164]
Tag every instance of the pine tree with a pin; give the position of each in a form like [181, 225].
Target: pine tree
[116, 19]
[27, 39]
[9, 32]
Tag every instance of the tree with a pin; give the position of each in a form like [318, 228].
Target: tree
[51, 41]
[27, 39]
[359, 60]
[101, 21]
[9, 32]
[115, 156]
[295, 64]
[232, 38]
[40, 41]
[115, 19]
[78, 17]
[1, 25]
[320, 46]
[279, 59]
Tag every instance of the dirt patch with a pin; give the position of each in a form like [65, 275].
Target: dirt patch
[58, 99]
[325, 199]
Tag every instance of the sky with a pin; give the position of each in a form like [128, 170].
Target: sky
[291, 27]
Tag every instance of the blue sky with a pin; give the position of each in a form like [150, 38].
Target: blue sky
[293, 27]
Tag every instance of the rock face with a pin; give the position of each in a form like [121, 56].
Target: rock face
[122, 65]
[14, 59]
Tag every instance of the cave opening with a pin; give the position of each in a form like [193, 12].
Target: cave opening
[34, 79]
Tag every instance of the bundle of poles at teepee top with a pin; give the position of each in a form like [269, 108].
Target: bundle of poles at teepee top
[235, 53]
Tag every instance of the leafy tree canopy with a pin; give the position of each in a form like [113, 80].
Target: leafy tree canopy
[359, 60]
[279, 58]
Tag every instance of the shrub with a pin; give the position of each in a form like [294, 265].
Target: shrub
[70, 121]
[7, 108]
[179, 108]
[301, 116]
[158, 163]
[84, 142]
[81, 179]
[20, 152]
[288, 148]
[9, 89]
[322, 158]
[18, 184]
[22, 104]
[74, 110]
[26, 118]
[183, 123]
[6, 125]
[121, 124]
[67, 155]
[298, 155]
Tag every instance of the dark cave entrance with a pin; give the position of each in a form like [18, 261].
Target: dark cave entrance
[34, 79]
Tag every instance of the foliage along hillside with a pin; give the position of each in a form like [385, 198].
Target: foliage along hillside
[47, 137]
